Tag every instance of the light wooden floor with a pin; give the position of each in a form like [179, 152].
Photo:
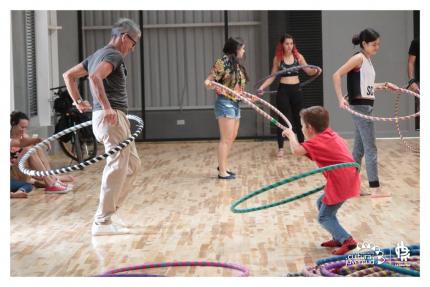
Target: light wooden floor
[179, 211]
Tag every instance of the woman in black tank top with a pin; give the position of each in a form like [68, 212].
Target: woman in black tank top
[361, 86]
[289, 99]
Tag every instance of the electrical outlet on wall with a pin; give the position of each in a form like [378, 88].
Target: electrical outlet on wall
[180, 122]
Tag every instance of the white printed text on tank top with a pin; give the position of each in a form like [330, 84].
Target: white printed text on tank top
[367, 79]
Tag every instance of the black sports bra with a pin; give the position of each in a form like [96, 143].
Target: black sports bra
[284, 66]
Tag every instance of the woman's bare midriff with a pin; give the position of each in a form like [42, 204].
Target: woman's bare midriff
[290, 80]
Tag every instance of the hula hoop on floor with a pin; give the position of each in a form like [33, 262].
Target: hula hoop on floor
[284, 181]
[309, 271]
[360, 269]
[414, 250]
[246, 98]
[244, 272]
[131, 275]
[340, 268]
[400, 270]
[411, 147]
[390, 119]
[347, 264]
[290, 70]
[78, 166]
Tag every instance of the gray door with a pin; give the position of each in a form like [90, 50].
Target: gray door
[180, 47]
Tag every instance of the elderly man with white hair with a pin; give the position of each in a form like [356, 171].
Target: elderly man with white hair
[107, 76]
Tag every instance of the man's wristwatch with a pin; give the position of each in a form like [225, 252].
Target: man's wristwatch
[78, 102]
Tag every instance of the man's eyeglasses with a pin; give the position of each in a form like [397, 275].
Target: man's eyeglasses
[131, 39]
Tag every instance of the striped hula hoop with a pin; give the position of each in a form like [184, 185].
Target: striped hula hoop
[393, 119]
[290, 70]
[414, 250]
[244, 272]
[400, 270]
[234, 208]
[411, 147]
[81, 165]
[340, 268]
[244, 96]
[309, 271]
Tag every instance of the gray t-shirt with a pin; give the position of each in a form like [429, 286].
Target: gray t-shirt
[115, 83]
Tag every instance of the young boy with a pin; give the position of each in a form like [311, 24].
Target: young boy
[326, 147]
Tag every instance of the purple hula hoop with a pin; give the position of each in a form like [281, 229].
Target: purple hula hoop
[244, 272]
[334, 269]
[292, 69]
[311, 272]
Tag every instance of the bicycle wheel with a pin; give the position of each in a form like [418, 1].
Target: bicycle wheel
[86, 149]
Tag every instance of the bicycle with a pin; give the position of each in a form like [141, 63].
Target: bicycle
[80, 145]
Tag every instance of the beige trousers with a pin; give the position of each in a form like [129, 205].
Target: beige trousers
[119, 167]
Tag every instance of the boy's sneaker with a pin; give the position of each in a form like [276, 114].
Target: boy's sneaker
[331, 243]
[108, 229]
[347, 245]
[58, 188]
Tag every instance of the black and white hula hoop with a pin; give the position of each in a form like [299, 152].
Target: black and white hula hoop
[78, 166]
[287, 71]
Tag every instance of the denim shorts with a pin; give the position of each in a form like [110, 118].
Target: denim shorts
[224, 107]
[15, 185]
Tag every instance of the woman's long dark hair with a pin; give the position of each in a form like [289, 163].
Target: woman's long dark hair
[230, 49]
[16, 116]
[367, 35]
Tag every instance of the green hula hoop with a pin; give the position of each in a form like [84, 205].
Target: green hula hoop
[284, 181]
[400, 269]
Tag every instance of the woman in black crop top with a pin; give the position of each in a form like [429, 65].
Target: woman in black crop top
[289, 99]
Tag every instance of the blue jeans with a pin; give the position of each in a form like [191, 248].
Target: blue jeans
[365, 143]
[224, 107]
[16, 185]
[327, 218]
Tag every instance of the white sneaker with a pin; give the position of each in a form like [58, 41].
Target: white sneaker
[117, 220]
[108, 229]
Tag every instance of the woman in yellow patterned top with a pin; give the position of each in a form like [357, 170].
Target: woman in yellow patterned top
[229, 72]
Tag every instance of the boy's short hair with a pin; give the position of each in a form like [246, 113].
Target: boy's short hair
[317, 117]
